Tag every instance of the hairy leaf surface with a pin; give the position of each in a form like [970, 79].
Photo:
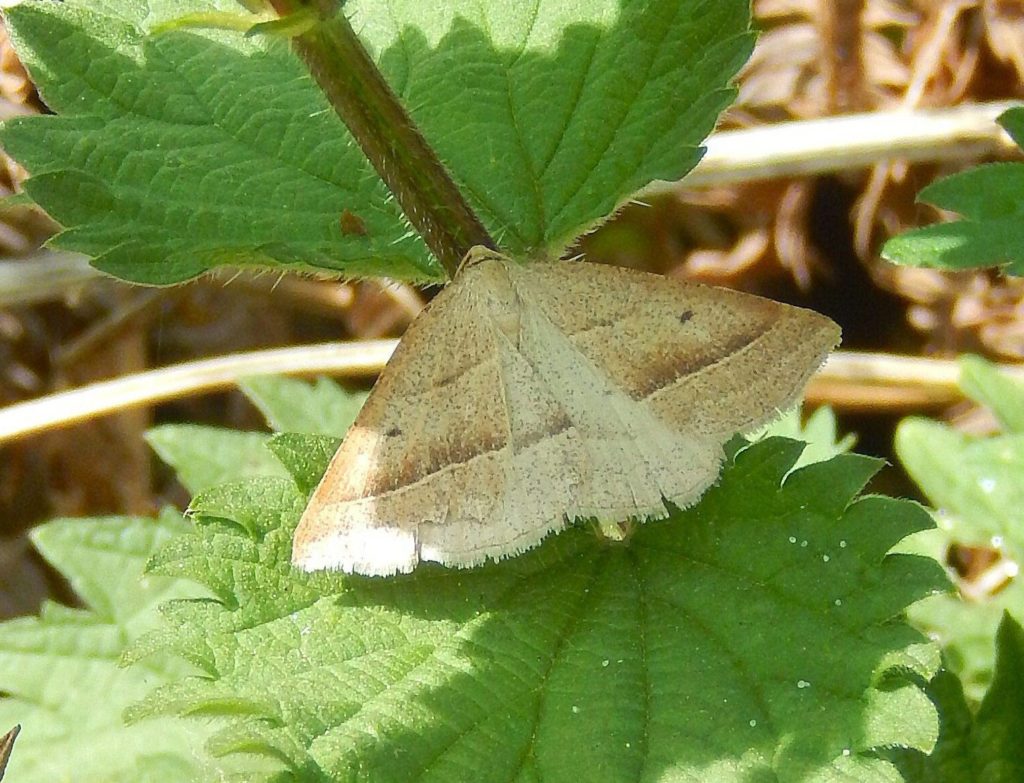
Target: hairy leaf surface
[750, 635]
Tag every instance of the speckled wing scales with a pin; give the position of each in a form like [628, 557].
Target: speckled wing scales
[425, 449]
[442, 461]
[707, 361]
[686, 366]
[526, 396]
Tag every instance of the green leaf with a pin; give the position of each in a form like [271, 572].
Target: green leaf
[204, 457]
[977, 484]
[949, 761]
[573, 106]
[990, 199]
[988, 748]
[304, 456]
[979, 481]
[820, 432]
[983, 383]
[998, 733]
[179, 152]
[290, 405]
[999, 729]
[61, 673]
[749, 636]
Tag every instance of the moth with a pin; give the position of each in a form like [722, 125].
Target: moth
[526, 396]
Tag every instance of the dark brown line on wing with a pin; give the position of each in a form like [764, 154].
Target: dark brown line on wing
[698, 364]
[414, 474]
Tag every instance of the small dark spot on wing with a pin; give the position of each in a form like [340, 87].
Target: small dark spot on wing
[394, 432]
[685, 316]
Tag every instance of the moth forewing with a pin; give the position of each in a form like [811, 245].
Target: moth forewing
[526, 396]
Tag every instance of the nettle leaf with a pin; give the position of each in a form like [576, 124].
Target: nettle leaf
[204, 457]
[550, 115]
[178, 152]
[68, 688]
[304, 456]
[984, 383]
[998, 729]
[990, 201]
[753, 634]
[820, 432]
[977, 485]
[949, 761]
[290, 405]
[60, 670]
[989, 747]
[980, 481]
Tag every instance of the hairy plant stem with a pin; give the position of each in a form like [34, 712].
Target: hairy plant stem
[385, 132]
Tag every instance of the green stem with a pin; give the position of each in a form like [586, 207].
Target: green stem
[387, 135]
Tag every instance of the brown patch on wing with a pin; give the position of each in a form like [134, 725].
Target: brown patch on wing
[749, 387]
[440, 403]
[643, 331]
[650, 349]
[704, 360]
[656, 375]
[450, 423]
[414, 467]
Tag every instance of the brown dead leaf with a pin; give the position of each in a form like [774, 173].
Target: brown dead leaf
[1004, 32]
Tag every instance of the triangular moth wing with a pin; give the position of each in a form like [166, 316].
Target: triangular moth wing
[527, 394]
